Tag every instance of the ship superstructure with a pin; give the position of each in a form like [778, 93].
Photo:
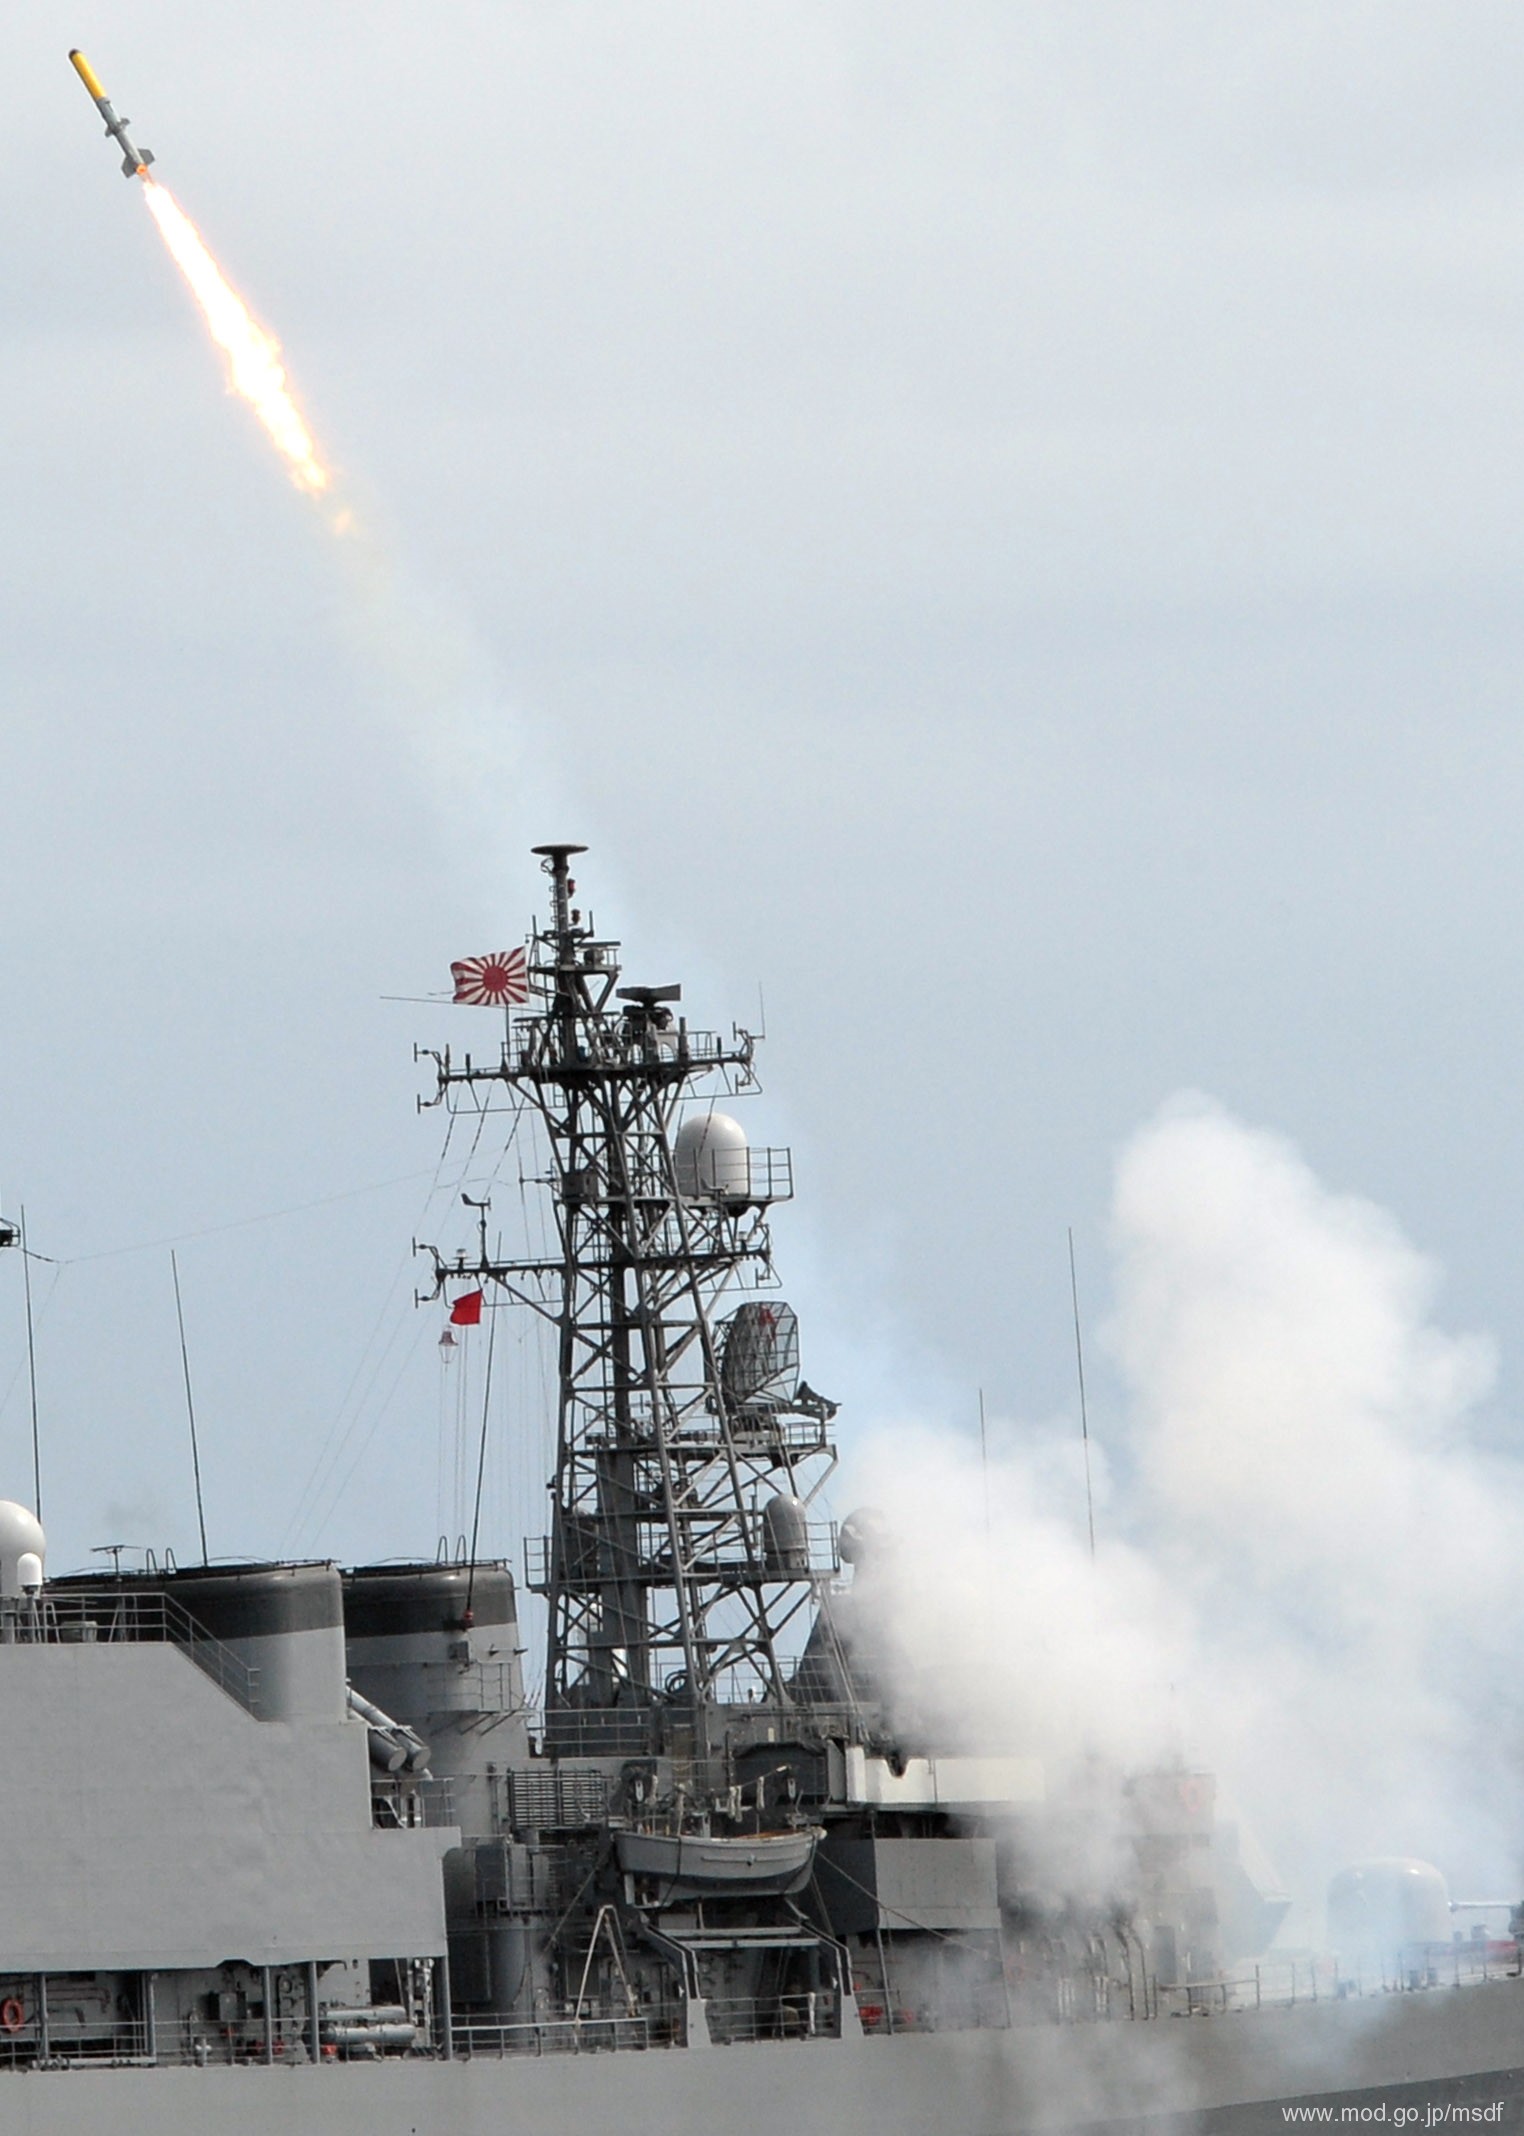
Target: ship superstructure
[748, 1842]
[289, 1846]
[685, 1552]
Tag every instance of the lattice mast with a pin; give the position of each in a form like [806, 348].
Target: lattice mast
[668, 1573]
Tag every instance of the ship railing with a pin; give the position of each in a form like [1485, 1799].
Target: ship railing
[612, 1048]
[1327, 1977]
[569, 2035]
[709, 1046]
[1313, 1978]
[284, 2042]
[643, 1731]
[758, 1430]
[602, 1731]
[106, 1617]
[958, 2003]
[731, 1551]
[73, 2042]
[747, 1726]
[807, 2015]
[769, 1177]
[886, 2020]
[745, 1699]
[758, 1427]
[400, 1802]
[719, 1546]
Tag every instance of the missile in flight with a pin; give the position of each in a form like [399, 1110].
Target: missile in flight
[134, 164]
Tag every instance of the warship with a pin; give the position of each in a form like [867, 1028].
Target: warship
[290, 1848]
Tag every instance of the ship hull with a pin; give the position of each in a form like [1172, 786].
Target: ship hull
[1226, 2075]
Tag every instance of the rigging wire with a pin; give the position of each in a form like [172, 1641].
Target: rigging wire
[237, 1223]
[335, 1442]
[319, 1498]
[320, 1518]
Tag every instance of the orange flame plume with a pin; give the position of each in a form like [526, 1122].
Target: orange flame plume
[255, 371]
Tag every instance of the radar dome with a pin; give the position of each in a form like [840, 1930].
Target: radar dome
[785, 1536]
[20, 1536]
[1385, 1904]
[709, 1156]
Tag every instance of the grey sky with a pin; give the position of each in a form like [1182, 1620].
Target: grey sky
[998, 524]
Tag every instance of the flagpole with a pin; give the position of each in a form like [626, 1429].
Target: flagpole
[481, 1465]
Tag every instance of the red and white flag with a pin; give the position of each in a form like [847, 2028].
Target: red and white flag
[494, 981]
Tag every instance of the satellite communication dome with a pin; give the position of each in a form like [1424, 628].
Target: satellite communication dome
[20, 1536]
[709, 1156]
[1388, 1904]
[786, 1536]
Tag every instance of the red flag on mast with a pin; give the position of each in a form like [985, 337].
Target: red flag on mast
[466, 1312]
[493, 981]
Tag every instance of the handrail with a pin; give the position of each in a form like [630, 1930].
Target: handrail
[123, 1617]
[566, 2035]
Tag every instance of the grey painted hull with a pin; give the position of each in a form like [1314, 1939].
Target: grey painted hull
[1233, 2071]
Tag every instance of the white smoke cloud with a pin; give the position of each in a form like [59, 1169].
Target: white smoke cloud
[1304, 1558]
[1308, 1478]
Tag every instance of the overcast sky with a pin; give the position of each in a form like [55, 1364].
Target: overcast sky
[998, 525]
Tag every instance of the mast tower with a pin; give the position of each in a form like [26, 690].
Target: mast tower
[688, 1450]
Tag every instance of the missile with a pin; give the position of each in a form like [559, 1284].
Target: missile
[133, 164]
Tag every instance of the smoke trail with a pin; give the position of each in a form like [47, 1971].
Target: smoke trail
[254, 367]
[434, 677]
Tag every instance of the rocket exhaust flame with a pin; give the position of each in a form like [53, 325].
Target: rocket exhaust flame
[255, 371]
[253, 356]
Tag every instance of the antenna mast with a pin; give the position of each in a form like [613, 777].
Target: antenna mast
[190, 1404]
[1079, 1359]
[15, 1235]
[668, 1579]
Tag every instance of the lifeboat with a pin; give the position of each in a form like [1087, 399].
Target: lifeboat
[698, 1865]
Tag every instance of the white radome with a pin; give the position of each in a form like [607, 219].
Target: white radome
[710, 1156]
[21, 1537]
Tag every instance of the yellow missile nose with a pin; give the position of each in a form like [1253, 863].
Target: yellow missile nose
[86, 73]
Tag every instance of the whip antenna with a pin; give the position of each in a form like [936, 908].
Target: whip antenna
[1079, 1360]
[31, 1367]
[190, 1405]
[984, 1465]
